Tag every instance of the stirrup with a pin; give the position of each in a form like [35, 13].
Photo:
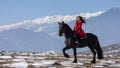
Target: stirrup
[77, 42]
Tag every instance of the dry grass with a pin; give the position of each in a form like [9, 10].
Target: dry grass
[6, 67]
[58, 59]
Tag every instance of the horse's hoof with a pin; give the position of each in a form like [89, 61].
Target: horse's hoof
[93, 62]
[67, 56]
[74, 61]
[100, 58]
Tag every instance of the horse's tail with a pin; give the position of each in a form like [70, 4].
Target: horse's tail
[99, 51]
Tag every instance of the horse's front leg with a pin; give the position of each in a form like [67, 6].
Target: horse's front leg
[75, 55]
[64, 53]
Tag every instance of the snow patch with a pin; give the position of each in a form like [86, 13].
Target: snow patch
[110, 63]
[5, 57]
[69, 63]
[19, 65]
[3, 60]
[21, 57]
[43, 63]
[51, 52]
[18, 60]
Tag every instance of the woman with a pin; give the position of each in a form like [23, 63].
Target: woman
[78, 27]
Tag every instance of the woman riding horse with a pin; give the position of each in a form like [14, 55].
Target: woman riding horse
[70, 41]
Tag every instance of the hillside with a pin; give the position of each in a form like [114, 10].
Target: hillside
[113, 49]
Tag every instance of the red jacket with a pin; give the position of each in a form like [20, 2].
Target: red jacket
[78, 29]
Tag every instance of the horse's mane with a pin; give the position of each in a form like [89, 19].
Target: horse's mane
[67, 27]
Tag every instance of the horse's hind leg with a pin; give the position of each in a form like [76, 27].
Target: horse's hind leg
[75, 55]
[99, 51]
[64, 53]
[94, 54]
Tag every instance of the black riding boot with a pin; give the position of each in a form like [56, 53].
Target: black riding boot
[79, 39]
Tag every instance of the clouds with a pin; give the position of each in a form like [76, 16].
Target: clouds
[49, 20]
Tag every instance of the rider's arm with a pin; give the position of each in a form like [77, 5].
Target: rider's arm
[79, 26]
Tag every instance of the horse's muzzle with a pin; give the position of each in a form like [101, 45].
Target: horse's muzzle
[60, 34]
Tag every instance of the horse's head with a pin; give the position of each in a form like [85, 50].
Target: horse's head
[61, 28]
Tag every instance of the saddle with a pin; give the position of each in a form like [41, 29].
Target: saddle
[80, 40]
[83, 37]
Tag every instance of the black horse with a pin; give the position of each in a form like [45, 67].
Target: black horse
[70, 41]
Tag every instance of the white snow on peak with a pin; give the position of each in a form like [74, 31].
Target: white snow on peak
[89, 15]
[66, 18]
[48, 20]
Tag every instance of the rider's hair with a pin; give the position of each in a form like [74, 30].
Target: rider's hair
[83, 21]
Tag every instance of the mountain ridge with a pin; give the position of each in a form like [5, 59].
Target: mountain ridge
[44, 37]
[48, 20]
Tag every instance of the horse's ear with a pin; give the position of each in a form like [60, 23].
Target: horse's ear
[62, 22]
[58, 22]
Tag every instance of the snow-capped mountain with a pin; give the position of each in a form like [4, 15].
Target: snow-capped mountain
[39, 24]
[41, 34]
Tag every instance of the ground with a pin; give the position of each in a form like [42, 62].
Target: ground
[53, 60]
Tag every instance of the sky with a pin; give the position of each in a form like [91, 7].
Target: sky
[13, 11]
